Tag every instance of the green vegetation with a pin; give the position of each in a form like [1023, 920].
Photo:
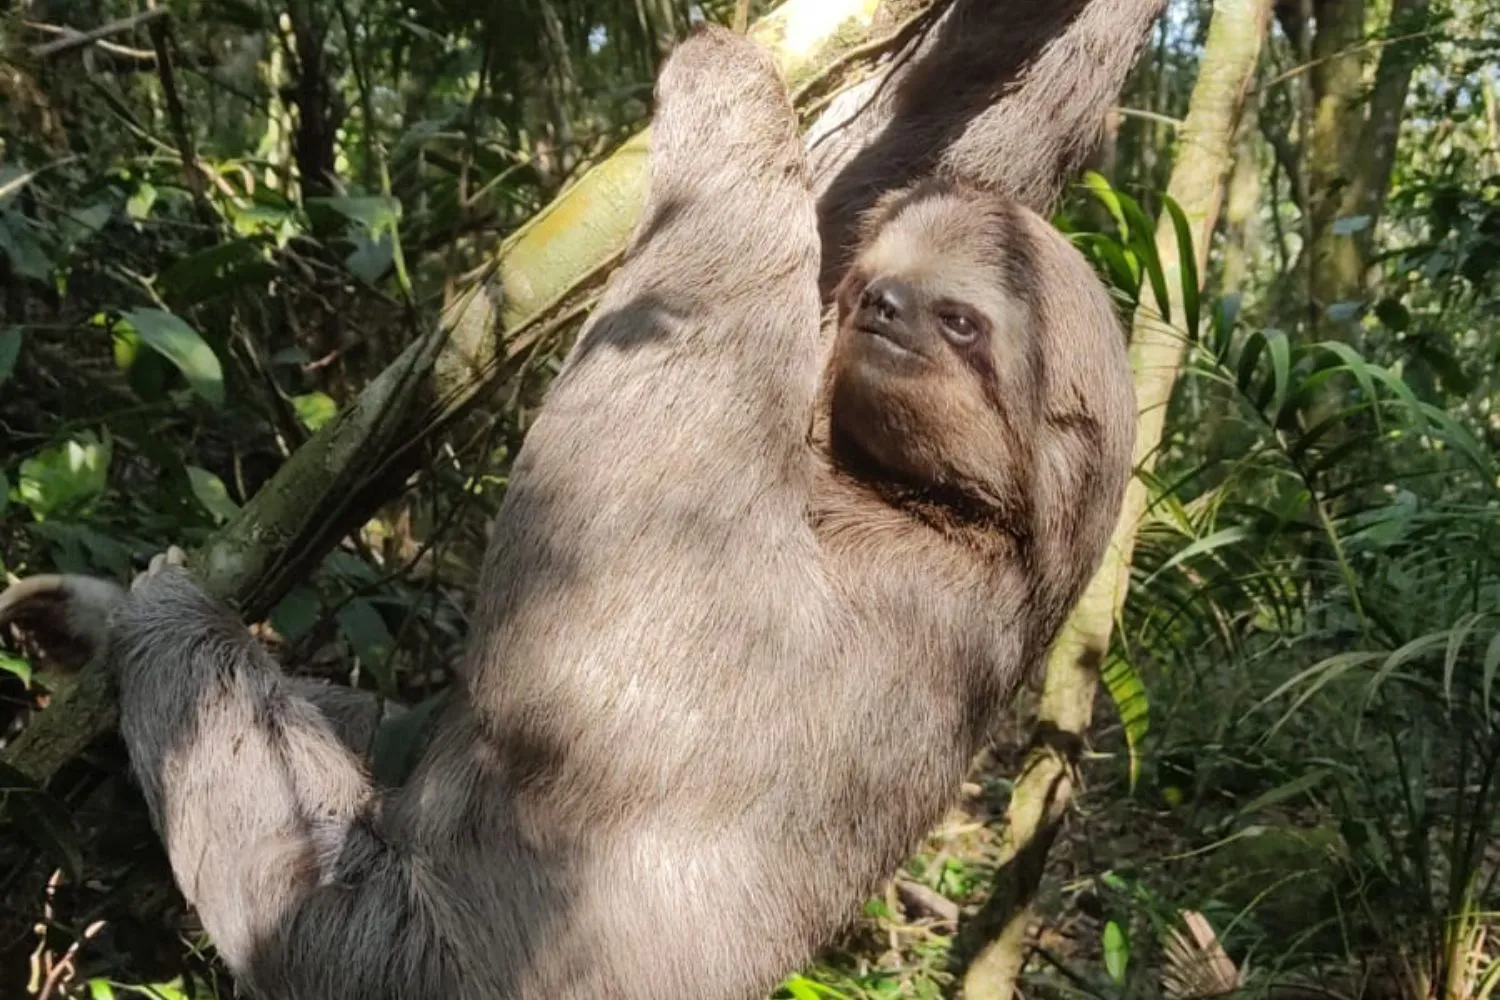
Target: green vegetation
[221, 220]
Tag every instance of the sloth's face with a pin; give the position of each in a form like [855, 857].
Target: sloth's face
[932, 370]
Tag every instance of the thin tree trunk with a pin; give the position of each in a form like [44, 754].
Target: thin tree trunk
[1337, 80]
[1242, 205]
[1041, 795]
[1369, 181]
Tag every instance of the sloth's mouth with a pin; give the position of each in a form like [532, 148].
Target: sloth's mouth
[889, 343]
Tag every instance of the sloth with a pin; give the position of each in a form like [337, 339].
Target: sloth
[759, 585]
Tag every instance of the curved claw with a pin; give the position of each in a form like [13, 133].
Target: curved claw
[173, 558]
[66, 615]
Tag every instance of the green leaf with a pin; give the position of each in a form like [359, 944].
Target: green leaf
[212, 494]
[1105, 192]
[1457, 636]
[296, 614]
[1128, 692]
[368, 636]
[1188, 263]
[1355, 363]
[1281, 793]
[215, 271]
[371, 258]
[374, 214]
[65, 477]
[4, 493]
[1144, 242]
[1219, 539]
[179, 343]
[81, 224]
[12, 180]
[16, 667]
[314, 409]
[1491, 665]
[10, 350]
[400, 739]
[1315, 677]
[139, 204]
[26, 255]
[1116, 951]
[802, 988]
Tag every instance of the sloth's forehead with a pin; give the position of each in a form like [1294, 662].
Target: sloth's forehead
[945, 239]
[943, 226]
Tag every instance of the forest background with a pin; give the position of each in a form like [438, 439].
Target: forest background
[225, 223]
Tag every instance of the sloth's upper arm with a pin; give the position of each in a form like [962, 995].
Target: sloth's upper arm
[727, 244]
[711, 323]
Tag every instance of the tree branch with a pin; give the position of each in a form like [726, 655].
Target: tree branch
[81, 39]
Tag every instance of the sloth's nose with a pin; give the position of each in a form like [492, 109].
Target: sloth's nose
[887, 305]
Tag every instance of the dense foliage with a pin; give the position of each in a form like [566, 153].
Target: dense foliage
[219, 220]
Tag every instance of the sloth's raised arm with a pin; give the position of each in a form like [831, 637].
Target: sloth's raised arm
[1010, 98]
[717, 299]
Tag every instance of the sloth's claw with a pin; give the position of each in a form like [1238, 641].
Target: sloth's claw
[64, 617]
[172, 558]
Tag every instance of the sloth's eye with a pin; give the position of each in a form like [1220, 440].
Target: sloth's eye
[959, 327]
[853, 287]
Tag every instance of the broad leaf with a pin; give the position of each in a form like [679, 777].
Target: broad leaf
[170, 336]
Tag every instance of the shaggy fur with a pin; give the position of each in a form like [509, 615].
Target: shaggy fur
[757, 588]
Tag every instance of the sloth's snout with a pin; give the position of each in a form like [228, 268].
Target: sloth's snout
[887, 309]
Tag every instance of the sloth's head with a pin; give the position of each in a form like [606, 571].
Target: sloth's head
[978, 358]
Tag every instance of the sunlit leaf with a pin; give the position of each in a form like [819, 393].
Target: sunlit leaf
[314, 409]
[1187, 263]
[65, 477]
[16, 667]
[1100, 187]
[171, 336]
[1116, 951]
[1128, 692]
[138, 205]
[1144, 242]
[1219, 539]
[211, 492]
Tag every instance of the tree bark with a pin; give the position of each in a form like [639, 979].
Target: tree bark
[1060, 64]
[1041, 795]
[1242, 205]
[1336, 77]
[1369, 172]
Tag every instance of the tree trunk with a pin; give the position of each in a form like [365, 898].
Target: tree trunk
[1037, 79]
[1203, 160]
[1242, 205]
[1369, 173]
[1336, 77]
